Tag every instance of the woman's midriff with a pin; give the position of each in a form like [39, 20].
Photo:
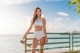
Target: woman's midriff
[38, 28]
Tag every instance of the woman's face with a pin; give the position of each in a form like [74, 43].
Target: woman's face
[38, 12]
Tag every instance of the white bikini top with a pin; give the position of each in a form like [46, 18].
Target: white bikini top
[38, 22]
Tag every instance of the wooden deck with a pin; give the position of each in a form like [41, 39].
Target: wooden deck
[59, 51]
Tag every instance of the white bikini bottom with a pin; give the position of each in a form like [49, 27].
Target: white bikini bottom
[38, 35]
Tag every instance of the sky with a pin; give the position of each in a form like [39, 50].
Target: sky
[15, 15]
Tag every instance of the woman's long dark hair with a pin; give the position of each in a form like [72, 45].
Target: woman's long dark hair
[35, 15]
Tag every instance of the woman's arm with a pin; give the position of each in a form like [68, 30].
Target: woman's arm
[31, 25]
[44, 27]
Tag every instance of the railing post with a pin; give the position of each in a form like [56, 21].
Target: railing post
[69, 42]
[25, 45]
[72, 41]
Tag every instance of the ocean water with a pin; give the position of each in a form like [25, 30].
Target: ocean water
[11, 43]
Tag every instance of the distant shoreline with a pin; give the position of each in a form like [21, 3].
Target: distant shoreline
[47, 33]
[55, 32]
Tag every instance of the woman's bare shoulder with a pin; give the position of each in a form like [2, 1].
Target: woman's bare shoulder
[43, 19]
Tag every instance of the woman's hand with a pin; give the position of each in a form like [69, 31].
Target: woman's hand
[46, 39]
[24, 36]
[23, 39]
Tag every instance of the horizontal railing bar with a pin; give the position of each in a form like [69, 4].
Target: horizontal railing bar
[57, 47]
[76, 33]
[59, 38]
[59, 33]
[76, 41]
[57, 43]
[76, 45]
[37, 49]
[51, 38]
[53, 43]
[76, 37]
[51, 33]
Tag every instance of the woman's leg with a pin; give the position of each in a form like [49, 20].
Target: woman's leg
[42, 42]
[34, 45]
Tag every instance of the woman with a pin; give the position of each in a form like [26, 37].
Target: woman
[40, 30]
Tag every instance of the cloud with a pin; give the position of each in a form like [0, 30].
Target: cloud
[57, 25]
[76, 25]
[62, 13]
[61, 24]
[15, 22]
[9, 2]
